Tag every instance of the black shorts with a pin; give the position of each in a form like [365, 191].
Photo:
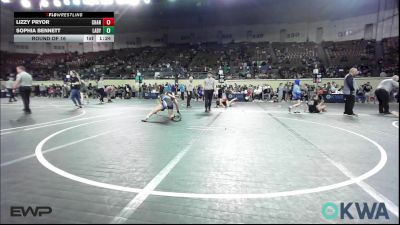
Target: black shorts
[166, 106]
[313, 109]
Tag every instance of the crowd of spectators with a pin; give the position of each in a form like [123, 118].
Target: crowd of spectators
[263, 92]
[390, 60]
[343, 55]
[347, 53]
[63, 91]
[237, 60]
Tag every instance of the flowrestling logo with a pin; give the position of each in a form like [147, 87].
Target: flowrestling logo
[351, 210]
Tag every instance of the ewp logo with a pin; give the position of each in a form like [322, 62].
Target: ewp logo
[331, 210]
[17, 211]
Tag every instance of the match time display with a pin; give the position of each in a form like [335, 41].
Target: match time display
[64, 26]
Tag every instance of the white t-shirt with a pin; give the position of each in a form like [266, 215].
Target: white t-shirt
[100, 84]
[25, 79]
[189, 86]
[9, 84]
[209, 83]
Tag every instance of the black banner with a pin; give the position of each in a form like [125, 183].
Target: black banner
[58, 22]
[63, 14]
[333, 98]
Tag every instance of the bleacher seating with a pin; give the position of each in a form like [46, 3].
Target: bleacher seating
[349, 53]
[238, 60]
[296, 54]
[391, 55]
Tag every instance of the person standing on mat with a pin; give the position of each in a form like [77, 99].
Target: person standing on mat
[24, 83]
[100, 89]
[9, 86]
[383, 91]
[280, 92]
[296, 93]
[84, 92]
[182, 91]
[190, 91]
[75, 82]
[209, 86]
[349, 92]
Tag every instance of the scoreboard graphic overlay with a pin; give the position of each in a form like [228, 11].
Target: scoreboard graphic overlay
[63, 26]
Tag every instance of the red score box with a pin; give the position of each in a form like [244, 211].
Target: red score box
[108, 21]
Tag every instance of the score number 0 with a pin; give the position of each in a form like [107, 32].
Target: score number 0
[108, 21]
[108, 25]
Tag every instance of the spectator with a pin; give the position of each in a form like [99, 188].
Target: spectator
[360, 95]
[199, 93]
[42, 90]
[9, 86]
[267, 93]
[281, 92]
[100, 88]
[367, 88]
[182, 91]
[333, 88]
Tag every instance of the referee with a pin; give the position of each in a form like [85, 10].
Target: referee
[24, 83]
[385, 88]
[100, 89]
[190, 91]
[209, 86]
